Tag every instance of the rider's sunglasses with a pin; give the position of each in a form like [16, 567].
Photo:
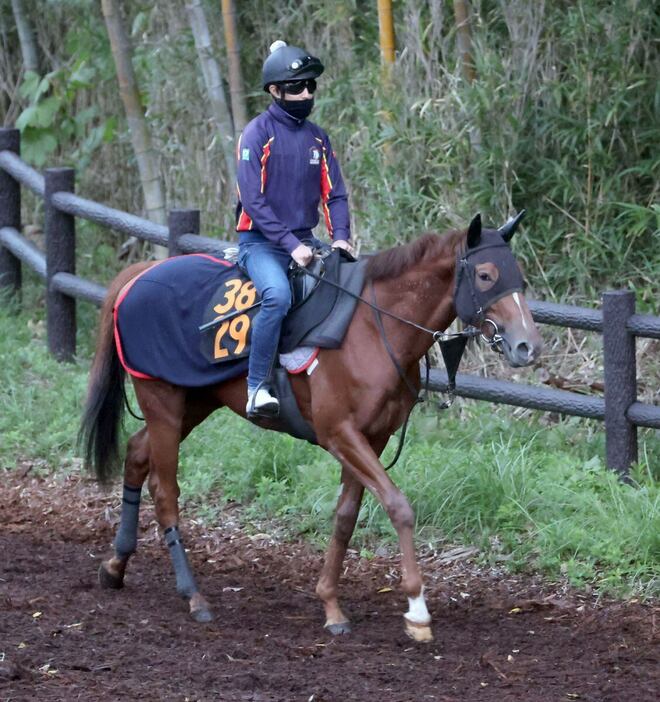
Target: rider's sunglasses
[295, 87]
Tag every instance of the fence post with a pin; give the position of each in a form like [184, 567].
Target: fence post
[10, 213]
[60, 257]
[620, 380]
[180, 222]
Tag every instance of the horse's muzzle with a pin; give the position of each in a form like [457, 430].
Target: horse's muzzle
[521, 351]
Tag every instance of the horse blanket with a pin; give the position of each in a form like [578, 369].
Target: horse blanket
[188, 319]
[158, 316]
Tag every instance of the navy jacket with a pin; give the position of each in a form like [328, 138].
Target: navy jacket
[286, 168]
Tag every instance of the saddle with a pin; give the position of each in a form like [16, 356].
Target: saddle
[323, 301]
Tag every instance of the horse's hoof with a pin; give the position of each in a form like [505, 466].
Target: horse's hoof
[340, 629]
[108, 580]
[202, 615]
[419, 632]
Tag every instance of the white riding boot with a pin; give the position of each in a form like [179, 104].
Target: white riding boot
[262, 402]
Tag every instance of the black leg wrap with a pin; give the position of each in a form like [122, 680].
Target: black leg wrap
[185, 582]
[126, 539]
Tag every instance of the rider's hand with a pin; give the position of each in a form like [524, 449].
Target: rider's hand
[343, 244]
[302, 255]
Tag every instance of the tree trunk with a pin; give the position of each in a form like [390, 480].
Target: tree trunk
[213, 82]
[146, 156]
[26, 37]
[236, 86]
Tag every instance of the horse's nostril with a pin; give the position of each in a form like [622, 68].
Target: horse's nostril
[523, 351]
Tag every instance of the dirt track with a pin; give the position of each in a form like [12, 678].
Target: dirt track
[497, 638]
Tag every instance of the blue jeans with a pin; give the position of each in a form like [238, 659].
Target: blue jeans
[266, 263]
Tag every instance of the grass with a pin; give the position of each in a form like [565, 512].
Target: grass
[531, 493]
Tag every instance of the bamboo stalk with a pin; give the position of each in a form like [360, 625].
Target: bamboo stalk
[213, 82]
[236, 85]
[26, 37]
[386, 31]
[464, 39]
[145, 154]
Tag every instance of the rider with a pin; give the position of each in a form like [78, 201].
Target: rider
[286, 168]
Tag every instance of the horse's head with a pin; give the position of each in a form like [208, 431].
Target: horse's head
[489, 292]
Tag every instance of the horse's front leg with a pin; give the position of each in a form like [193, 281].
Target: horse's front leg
[354, 452]
[348, 507]
[136, 467]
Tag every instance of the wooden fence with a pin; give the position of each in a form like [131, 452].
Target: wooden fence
[617, 321]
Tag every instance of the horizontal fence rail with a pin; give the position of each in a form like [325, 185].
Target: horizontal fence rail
[617, 321]
[545, 399]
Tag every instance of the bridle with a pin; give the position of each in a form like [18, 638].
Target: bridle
[452, 345]
[496, 340]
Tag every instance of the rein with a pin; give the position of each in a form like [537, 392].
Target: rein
[451, 345]
[438, 335]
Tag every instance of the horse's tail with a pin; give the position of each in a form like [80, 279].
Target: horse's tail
[104, 409]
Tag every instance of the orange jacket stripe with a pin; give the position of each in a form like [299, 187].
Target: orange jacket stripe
[244, 223]
[264, 158]
[326, 189]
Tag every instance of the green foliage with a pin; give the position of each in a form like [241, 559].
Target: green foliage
[562, 120]
[530, 497]
[57, 117]
[41, 399]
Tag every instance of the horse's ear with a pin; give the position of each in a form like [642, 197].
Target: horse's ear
[509, 229]
[474, 232]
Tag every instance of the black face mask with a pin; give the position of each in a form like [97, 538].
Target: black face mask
[300, 109]
[472, 303]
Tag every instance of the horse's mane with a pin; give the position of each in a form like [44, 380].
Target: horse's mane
[393, 262]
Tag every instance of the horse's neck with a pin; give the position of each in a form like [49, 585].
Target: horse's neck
[423, 295]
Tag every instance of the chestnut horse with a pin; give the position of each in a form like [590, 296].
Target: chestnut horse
[355, 399]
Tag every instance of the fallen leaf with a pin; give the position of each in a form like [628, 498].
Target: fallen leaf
[515, 610]
[385, 589]
[36, 615]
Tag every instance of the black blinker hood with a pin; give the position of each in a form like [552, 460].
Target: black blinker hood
[472, 303]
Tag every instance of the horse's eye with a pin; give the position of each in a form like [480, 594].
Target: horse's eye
[484, 276]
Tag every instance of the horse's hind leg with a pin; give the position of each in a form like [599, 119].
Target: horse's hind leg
[136, 467]
[164, 408]
[346, 515]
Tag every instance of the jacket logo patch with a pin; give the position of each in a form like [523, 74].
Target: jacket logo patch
[314, 156]
[245, 155]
